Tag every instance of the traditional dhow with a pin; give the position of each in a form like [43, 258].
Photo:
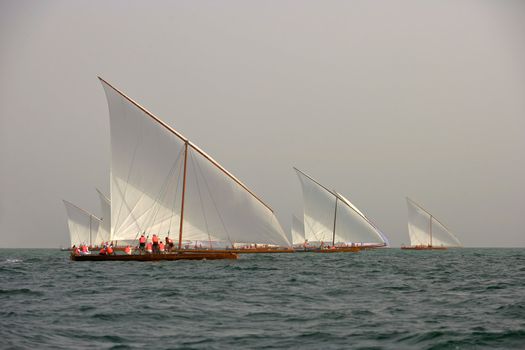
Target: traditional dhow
[84, 227]
[332, 223]
[162, 183]
[426, 232]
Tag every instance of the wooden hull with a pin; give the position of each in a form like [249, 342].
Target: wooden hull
[240, 251]
[157, 257]
[336, 250]
[423, 248]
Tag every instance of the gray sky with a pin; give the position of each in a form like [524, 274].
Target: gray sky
[376, 99]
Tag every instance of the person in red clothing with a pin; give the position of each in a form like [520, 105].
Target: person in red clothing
[169, 244]
[109, 250]
[149, 248]
[161, 247]
[142, 242]
[127, 250]
[155, 241]
[102, 251]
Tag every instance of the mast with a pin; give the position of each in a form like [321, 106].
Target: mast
[431, 230]
[183, 193]
[335, 218]
[90, 244]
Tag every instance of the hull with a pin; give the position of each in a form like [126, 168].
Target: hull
[241, 251]
[336, 250]
[423, 248]
[156, 257]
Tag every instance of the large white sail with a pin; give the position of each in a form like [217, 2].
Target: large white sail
[83, 226]
[297, 231]
[104, 228]
[153, 167]
[330, 217]
[424, 229]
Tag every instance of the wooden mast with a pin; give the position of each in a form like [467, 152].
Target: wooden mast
[90, 239]
[335, 217]
[183, 193]
[431, 230]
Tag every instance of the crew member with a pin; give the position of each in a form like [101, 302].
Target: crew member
[142, 242]
[149, 248]
[155, 241]
[161, 247]
[127, 250]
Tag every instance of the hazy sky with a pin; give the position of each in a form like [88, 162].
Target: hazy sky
[376, 99]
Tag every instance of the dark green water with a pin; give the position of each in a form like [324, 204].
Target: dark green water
[382, 299]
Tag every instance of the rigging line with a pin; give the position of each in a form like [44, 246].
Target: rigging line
[192, 160]
[165, 194]
[135, 219]
[174, 184]
[175, 197]
[161, 195]
[215, 204]
[308, 222]
[123, 195]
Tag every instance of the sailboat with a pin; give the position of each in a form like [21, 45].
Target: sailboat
[83, 226]
[332, 220]
[164, 184]
[426, 232]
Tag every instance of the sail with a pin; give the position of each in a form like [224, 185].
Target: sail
[353, 226]
[104, 228]
[297, 231]
[218, 208]
[425, 229]
[83, 226]
[319, 209]
[149, 163]
[330, 217]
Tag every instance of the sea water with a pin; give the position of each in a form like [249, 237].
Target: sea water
[376, 299]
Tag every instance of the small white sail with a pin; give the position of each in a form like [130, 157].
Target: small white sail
[330, 217]
[83, 226]
[153, 167]
[424, 229]
[297, 231]
[104, 228]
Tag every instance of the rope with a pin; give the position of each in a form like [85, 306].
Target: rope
[215, 205]
[200, 197]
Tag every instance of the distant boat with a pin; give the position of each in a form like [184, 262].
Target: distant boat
[331, 220]
[83, 226]
[426, 232]
[163, 184]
